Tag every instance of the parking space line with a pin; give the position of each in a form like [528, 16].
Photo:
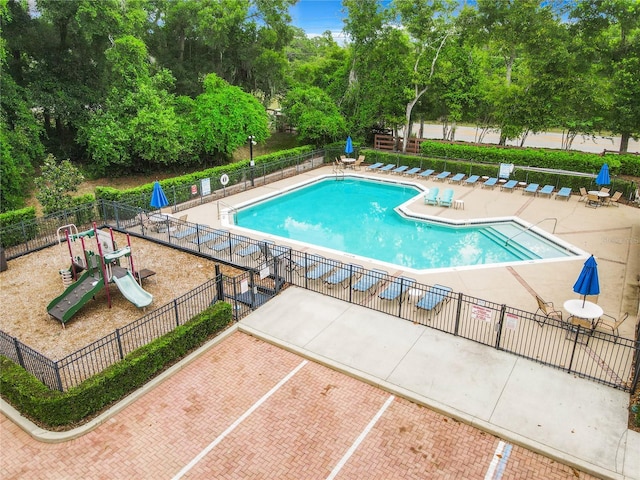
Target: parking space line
[238, 421]
[359, 440]
[499, 461]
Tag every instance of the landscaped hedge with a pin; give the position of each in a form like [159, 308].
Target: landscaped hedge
[9, 236]
[533, 157]
[178, 189]
[53, 408]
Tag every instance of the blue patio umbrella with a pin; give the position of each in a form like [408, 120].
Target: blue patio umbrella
[158, 198]
[587, 283]
[603, 176]
[349, 146]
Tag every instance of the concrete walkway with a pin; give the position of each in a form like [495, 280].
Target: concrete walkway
[575, 421]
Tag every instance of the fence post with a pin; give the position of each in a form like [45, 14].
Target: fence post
[235, 299]
[499, 326]
[116, 211]
[175, 309]
[58, 377]
[24, 235]
[219, 284]
[351, 283]
[456, 327]
[400, 298]
[253, 288]
[104, 211]
[276, 272]
[573, 350]
[119, 344]
[16, 342]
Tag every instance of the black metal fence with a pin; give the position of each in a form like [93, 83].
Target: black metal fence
[208, 189]
[598, 356]
[29, 236]
[245, 292]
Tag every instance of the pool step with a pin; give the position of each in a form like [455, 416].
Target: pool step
[502, 237]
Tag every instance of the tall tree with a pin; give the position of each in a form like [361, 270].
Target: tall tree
[373, 96]
[20, 146]
[241, 41]
[429, 25]
[314, 114]
[136, 128]
[514, 31]
[613, 30]
[225, 117]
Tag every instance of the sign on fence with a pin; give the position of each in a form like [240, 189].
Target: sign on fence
[512, 321]
[481, 313]
[205, 186]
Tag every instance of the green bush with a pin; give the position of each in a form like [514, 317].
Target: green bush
[53, 408]
[12, 226]
[178, 189]
[532, 157]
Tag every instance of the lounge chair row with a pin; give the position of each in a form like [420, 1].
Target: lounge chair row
[564, 193]
[534, 189]
[415, 171]
[335, 273]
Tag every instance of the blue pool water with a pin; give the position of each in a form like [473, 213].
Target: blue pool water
[357, 216]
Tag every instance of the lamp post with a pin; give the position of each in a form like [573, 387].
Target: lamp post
[251, 162]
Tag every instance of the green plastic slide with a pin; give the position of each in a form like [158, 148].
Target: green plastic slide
[132, 291]
[76, 296]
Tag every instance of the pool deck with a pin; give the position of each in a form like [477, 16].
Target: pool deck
[611, 234]
[571, 420]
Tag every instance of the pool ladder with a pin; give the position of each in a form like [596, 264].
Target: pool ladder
[555, 222]
[231, 210]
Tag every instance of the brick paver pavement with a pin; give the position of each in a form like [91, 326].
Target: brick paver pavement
[303, 430]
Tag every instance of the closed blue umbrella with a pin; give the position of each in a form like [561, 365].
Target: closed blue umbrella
[603, 175]
[587, 283]
[158, 198]
[349, 146]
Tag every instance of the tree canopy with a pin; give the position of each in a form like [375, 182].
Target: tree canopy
[138, 85]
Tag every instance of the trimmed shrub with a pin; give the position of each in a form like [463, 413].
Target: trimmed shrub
[178, 189]
[53, 408]
[533, 157]
[11, 233]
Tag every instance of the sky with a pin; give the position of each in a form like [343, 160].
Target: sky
[317, 16]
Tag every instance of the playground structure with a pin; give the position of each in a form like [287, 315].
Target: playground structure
[99, 269]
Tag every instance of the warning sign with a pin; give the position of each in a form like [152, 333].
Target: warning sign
[481, 313]
[511, 321]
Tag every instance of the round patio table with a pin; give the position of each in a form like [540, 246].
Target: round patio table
[601, 195]
[348, 161]
[581, 310]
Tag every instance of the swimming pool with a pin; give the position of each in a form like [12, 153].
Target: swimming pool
[361, 217]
